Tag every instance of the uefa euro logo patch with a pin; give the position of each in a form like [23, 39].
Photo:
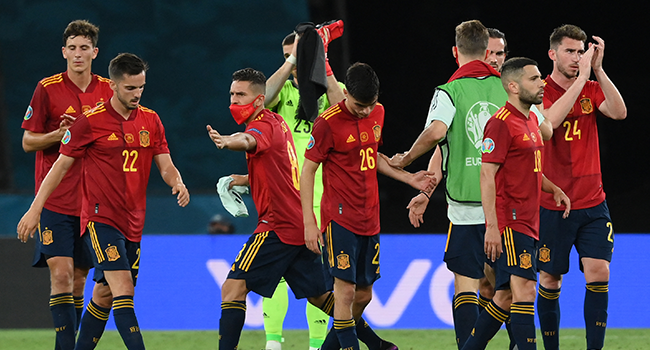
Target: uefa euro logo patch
[66, 137]
[487, 146]
[29, 113]
[311, 142]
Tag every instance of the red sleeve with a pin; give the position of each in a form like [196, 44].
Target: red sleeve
[496, 141]
[595, 92]
[321, 141]
[77, 138]
[35, 118]
[262, 131]
[162, 146]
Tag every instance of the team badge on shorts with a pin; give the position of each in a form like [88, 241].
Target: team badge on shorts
[377, 131]
[544, 254]
[47, 237]
[487, 146]
[112, 254]
[342, 261]
[586, 106]
[29, 113]
[144, 138]
[525, 261]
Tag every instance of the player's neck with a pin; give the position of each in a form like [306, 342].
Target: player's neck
[119, 108]
[562, 80]
[81, 79]
[522, 107]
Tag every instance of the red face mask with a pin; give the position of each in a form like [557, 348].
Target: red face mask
[241, 113]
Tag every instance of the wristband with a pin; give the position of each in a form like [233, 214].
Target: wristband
[427, 195]
[292, 59]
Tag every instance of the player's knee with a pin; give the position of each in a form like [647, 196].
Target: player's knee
[362, 297]
[550, 281]
[596, 270]
[61, 280]
[233, 290]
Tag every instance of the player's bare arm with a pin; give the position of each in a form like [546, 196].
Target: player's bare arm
[423, 180]
[239, 141]
[275, 82]
[558, 195]
[29, 222]
[492, 245]
[172, 177]
[613, 106]
[33, 141]
[427, 140]
[313, 238]
[418, 204]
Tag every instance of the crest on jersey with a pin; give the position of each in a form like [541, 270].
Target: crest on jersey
[144, 138]
[487, 146]
[586, 106]
[111, 253]
[544, 254]
[377, 131]
[364, 136]
[475, 121]
[47, 237]
[311, 142]
[129, 138]
[525, 261]
[342, 261]
[66, 137]
[29, 113]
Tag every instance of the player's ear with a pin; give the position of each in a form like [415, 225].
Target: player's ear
[552, 54]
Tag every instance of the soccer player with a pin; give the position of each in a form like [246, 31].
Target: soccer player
[277, 247]
[345, 140]
[572, 161]
[497, 49]
[116, 143]
[511, 185]
[56, 102]
[283, 98]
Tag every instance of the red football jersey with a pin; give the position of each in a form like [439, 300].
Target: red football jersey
[347, 147]
[53, 97]
[515, 142]
[274, 177]
[116, 155]
[573, 153]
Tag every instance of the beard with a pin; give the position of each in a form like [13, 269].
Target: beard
[530, 98]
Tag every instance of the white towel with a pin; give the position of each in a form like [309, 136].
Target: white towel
[231, 198]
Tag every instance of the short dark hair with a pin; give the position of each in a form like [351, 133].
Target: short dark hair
[497, 34]
[289, 39]
[81, 27]
[472, 38]
[362, 83]
[256, 78]
[513, 69]
[566, 31]
[126, 63]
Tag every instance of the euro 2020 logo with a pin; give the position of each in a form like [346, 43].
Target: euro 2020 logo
[475, 121]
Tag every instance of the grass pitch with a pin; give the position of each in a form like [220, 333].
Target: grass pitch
[28, 339]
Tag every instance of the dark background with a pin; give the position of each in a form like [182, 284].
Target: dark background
[194, 47]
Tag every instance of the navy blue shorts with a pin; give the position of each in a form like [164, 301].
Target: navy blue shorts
[59, 235]
[465, 252]
[264, 259]
[519, 258]
[351, 257]
[590, 230]
[111, 251]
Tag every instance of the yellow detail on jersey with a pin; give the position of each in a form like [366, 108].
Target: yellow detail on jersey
[102, 79]
[526, 138]
[331, 111]
[367, 159]
[99, 109]
[145, 141]
[145, 109]
[70, 110]
[351, 139]
[112, 137]
[502, 114]
[57, 78]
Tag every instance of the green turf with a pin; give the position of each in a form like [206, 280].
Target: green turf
[628, 339]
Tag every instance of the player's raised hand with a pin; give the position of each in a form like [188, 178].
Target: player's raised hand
[398, 161]
[492, 246]
[183, 196]
[216, 137]
[585, 63]
[424, 180]
[599, 52]
[313, 239]
[417, 206]
[28, 225]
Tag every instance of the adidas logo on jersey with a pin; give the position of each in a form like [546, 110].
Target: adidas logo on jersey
[289, 103]
[112, 137]
[526, 138]
[351, 139]
[70, 110]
